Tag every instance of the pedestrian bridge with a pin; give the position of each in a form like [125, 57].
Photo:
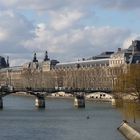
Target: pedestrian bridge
[41, 93]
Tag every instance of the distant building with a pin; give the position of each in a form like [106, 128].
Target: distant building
[126, 56]
[98, 72]
[3, 63]
[101, 56]
[83, 64]
[40, 66]
[105, 59]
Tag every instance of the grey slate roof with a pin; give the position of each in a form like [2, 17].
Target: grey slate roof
[134, 59]
[102, 55]
[86, 63]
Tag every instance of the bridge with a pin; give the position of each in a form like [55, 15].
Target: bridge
[66, 90]
[40, 93]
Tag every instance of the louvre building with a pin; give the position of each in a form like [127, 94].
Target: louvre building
[100, 71]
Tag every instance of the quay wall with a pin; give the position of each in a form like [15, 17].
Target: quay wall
[129, 132]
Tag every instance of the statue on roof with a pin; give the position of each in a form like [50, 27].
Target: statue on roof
[46, 56]
[7, 61]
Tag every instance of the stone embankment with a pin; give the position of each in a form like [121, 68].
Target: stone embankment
[130, 131]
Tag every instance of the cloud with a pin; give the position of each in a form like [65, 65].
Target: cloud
[128, 41]
[38, 5]
[74, 43]
[14, 30]
[66, 28]
[63, 19]
[120, 4]
[43, 5]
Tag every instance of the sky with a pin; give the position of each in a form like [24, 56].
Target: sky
[68, 29]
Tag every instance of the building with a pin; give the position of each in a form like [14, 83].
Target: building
[44, 66]
[126, 56]
[39, 66]
[100, 72]
[101, 56]
[83, 64]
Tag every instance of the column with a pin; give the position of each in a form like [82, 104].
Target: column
[79, 101]
[113, 102]
[40, 102]
[1, 103]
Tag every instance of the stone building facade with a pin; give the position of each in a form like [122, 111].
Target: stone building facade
[100, 72]
[39, 66]
[126, 56]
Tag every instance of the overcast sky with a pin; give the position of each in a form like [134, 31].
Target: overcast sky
[68, 29]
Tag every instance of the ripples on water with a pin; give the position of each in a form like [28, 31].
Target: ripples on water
[20, 120]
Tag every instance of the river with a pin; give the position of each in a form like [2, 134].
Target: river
[20, 120]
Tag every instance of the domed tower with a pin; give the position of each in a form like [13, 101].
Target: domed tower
[46, 56]
[46, 63]
[35, 58]
[2, 62]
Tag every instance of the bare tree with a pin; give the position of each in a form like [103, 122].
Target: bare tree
[129, 82]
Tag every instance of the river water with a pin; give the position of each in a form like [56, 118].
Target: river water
[20, 120]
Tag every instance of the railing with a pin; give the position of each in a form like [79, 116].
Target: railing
[62, 89]
[39, 92]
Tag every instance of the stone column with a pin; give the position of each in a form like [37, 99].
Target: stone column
[79, 101]
[1, 103]
[113, 102]
[40, 102]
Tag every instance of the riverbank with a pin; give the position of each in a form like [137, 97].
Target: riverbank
[130, 130]
[130, 109]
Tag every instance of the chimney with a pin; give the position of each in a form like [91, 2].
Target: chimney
[119, 49]
[7, 61]
[83, 59]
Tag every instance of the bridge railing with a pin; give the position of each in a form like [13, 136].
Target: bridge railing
[54, 90]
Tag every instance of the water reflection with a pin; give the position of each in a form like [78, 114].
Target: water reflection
[129, 109]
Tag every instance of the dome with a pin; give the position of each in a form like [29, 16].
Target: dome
[2, 62]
